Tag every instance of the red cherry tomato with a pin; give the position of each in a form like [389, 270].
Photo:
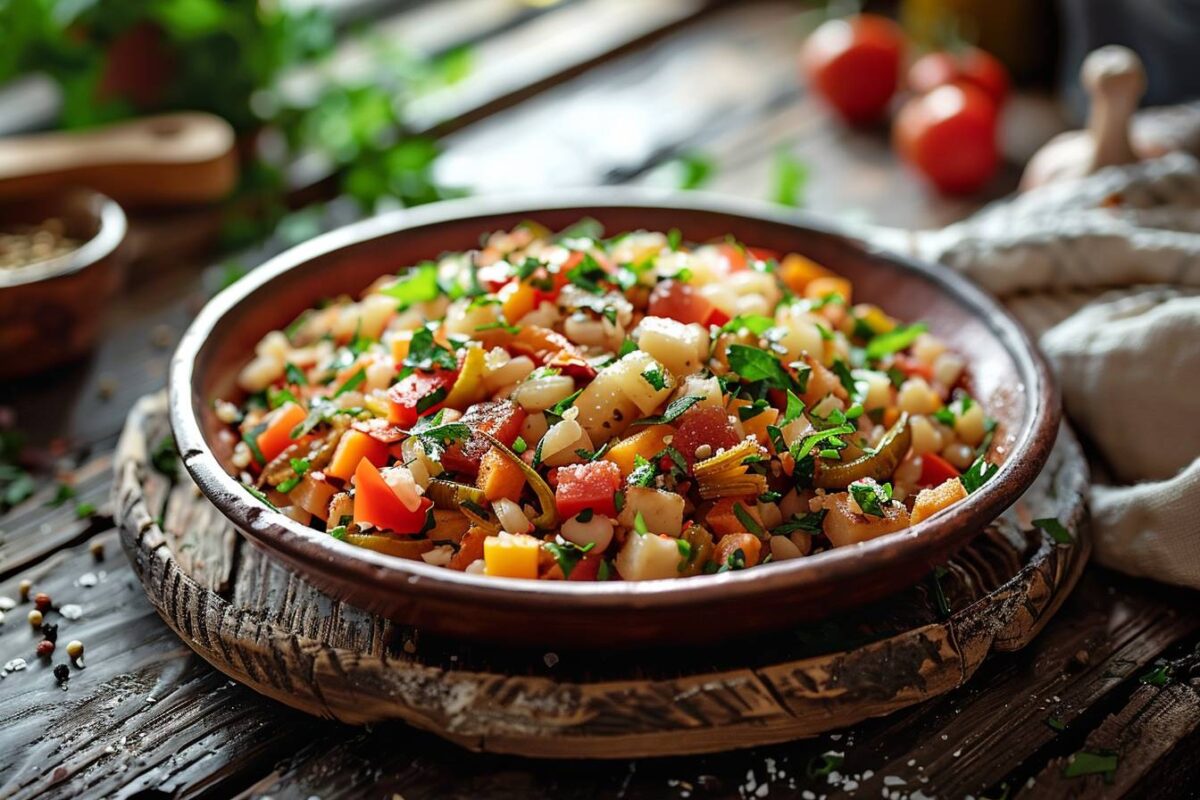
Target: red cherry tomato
[970, 65]
[935, 470]
[854, 65]
[704, 425]
[949, 135]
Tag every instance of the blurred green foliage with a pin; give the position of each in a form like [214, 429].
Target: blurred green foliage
[114, 59]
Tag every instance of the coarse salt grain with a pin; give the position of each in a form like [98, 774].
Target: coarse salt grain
[71, 611]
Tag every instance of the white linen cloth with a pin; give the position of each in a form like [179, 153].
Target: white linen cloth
[1105, 273]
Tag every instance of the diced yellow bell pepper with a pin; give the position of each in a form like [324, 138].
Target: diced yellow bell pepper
[516, 300]
[468, 387]
[511, 556]
[647, 443]
[400, 345]
[874, 318]
[797, 272]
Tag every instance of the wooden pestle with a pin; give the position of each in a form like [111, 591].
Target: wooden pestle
[170, 159]
[1114, 79]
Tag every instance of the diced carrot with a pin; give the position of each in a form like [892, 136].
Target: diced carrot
[797, 272]
[722, 520]
[352, 448]
[826, 285]
[756, 426]
[931, 501]
[890, 415]
[647, 443]
[470, 549]
[499, 477]
[277, 436]
[748, 543]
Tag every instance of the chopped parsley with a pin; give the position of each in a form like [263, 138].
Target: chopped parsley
[568, 554]
[795, 407]
[1086, 762]
[250, 437]
[871, 497]
[498, 326]
[587, 275]
[418, 285]
[802, 523]
[352, 383]
[295, 375]
[644, 472]
[979, 473]
[426, 354]
[735, 561]
[1054, 529]
[639, 524]
[656, 378]
[560, 408]
[435, 435]
[262, 498]
[673, 411]
[755, 323]
[748, 521]
[894, 340]
[519, 446]
[754, 364]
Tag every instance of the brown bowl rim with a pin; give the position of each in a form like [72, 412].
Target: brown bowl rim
[321, 553]
[112, 226]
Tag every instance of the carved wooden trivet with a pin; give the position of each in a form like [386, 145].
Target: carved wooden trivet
[266, 627]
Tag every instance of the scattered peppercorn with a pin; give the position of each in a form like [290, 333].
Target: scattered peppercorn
[35, 619]
[75, 650]
[42, 601]
[23, 589]
[50, 631]
[62, 673]
[45, 648]
[97, 549]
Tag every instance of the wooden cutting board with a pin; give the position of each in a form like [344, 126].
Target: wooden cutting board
[265, 627]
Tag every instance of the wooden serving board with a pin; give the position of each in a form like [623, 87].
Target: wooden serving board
[267, 628]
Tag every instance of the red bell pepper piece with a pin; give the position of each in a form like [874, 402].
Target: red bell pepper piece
[587, 568]
[377, 504]
[590, 485]
[419, 394]
[913, 368]
[935, 470]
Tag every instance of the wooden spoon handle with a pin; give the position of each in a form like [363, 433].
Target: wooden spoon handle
[161, 160]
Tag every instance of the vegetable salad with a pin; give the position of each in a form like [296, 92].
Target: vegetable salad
[577, 407]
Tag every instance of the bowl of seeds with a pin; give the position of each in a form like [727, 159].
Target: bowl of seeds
[59, 266]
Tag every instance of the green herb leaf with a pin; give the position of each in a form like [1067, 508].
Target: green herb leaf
[426, 354]
[1054, 529]
[560, 408]
[674, 239]
[894, 340]
[673, 411]
[250, 437]
[755, 364]
[418, 285]
[586, 228]
[695, 170]
[812, 440]
[352, 383]
[748, 521]
[643, 473]
[735, 561]
[979, 473]
[498, 326]
[639, 524]
[656, 378]
[789, 177]
[295, 375]
[62, 493]
[1088, 763]
[795, 407]
[755, 323]
[802, 523]
[568, 554]
[262, 498]
[1159, 676]
[871, 497]
[587, 275]
[519, 445]
[338, 533]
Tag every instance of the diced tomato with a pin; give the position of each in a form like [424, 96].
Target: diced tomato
[703, 425]
[277, 436]
[680, 301]
[936, 470]
[501, 418]
[419, 394]
[587, 568]
[592, 485]
[493, 276]
[763, 254]
[377, 504]
[913, 368]
[734, 255]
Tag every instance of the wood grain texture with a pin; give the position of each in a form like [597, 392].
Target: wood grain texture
[275, 633]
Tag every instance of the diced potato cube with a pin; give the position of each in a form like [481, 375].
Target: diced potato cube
[604, 409]
[661, 511]
[646, 556]
[511, 555]
[879, 388]
[682, 349]
[931, 501]
[644, 380]
[707, 389]
[843, 526]
[971, 425]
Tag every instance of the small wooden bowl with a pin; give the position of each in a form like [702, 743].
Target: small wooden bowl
[51, 311]
[1009, 378]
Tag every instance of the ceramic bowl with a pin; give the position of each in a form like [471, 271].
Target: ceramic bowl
[51, 311]
[1008, 376]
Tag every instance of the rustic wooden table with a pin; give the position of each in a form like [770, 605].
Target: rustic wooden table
[577, 93]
